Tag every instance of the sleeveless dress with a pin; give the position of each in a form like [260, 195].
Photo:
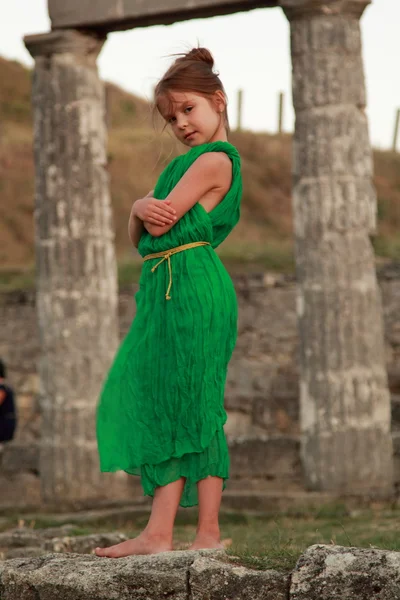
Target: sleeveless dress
[161, 409]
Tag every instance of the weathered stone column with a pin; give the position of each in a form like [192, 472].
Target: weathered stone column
[76, 266]
[345, 405]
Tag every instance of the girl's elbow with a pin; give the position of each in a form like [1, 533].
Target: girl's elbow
[157, 231]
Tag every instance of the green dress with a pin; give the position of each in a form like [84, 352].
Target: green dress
[161, 410]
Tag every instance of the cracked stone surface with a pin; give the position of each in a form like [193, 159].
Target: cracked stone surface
[331, 572]
[186, 575]
[210, 578]
[322, 573]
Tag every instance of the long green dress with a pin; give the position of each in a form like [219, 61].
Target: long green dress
[161, 410]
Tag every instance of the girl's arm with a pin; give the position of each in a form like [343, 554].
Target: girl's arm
[211, 171]
[135, 228]
[136, 224]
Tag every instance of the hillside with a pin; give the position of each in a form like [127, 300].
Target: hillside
[138, 153]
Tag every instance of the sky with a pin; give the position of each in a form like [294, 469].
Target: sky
[251, 51]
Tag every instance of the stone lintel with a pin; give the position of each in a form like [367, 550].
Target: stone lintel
[86, 45]
[113, 15]
[304, 9]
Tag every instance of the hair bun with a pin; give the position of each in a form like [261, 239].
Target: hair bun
[201, 55]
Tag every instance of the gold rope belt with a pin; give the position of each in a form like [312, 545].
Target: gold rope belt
[166, 254]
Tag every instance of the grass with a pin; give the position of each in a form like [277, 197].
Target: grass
[387, 247]
[268, 542]
[17, 279]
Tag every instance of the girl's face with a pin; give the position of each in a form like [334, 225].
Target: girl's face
[194, 119]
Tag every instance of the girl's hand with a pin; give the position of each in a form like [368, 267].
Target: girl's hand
[156, 212]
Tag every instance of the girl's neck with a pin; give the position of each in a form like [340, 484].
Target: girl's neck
[219, 136]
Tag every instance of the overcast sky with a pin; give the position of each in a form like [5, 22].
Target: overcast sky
[251, 51]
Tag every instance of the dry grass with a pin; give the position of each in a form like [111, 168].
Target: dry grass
[137, 154]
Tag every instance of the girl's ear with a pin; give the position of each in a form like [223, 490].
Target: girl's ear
[219, 101]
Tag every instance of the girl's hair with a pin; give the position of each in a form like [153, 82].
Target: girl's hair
[192, 72]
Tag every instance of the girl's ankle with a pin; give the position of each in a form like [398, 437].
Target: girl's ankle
[158, 536]
[209, 532]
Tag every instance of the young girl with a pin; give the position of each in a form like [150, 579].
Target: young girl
[161, 411]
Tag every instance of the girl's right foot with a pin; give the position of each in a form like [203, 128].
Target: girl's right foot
[204, 541]
[143, 544]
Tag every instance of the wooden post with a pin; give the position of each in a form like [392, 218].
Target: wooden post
[280, 113]
[240, 105]
[396, 129]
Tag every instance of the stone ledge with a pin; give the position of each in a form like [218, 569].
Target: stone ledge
[210, 578]
[176, 575]
[321, 573]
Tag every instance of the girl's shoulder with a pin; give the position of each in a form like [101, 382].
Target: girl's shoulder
[218, 146]
[183, 161]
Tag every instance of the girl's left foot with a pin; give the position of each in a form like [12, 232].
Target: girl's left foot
[143, 544]
[206, 541]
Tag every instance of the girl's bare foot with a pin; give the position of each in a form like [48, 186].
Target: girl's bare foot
[203, 541]
[143, 544]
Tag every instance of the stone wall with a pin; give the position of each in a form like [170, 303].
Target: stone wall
[262, 384]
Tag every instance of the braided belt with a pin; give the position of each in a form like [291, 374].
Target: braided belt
[166, 254]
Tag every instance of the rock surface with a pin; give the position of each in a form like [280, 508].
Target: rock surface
[322, 573]
[331, 572]
[24, 542]
[88, 577]
[210, 578]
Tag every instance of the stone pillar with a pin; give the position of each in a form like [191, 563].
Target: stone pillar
[344, 398]
[76, 265]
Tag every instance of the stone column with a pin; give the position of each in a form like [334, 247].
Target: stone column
[344, 398]
[76, 265]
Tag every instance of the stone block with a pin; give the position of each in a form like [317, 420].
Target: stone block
[210, 578]
[89, 577]
[277, 415]
[20, 490]
[266, 457]
[248, 378]
[332, 572]
[238, 423]
[25, 402]
[117, 14]
[29, 384]
[19, 458]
